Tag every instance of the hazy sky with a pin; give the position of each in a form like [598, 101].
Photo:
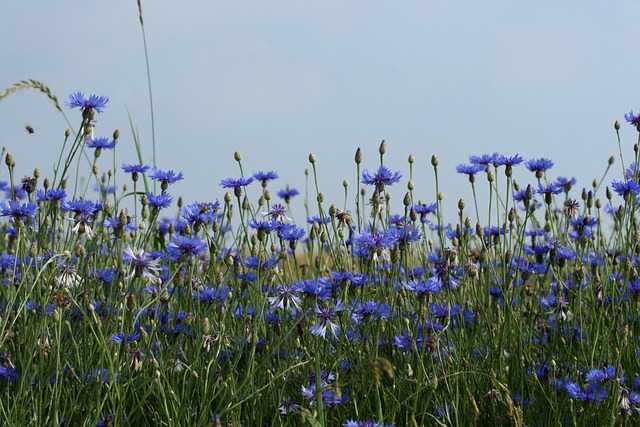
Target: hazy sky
[280, 79]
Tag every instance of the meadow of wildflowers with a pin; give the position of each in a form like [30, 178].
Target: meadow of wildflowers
[114, 311]
[123, 304]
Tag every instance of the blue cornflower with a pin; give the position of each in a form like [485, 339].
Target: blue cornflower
[265, 177]
[236, 183]
[539, 166]
[500, 160]
[423, 210]
[404, 234]
[81, 207]
[210, 295]
[290, 233]
[165, 177]
[134, 170]
[633, 119]
[625, 189]
[483, 159]
[508, 162]
[370, 311]
[54, 195]
[161, 201]
[470, 170]
[253, 262]
[318, 220]
[101, 143]
[312, 289]
[593, 393]
[17, 211]
[383, 176]
[287, 193]
[262, 227]
[186, 247]
[9, 373]
[548, 191]
[121, 337]
[565, 183]
[199, 214]
[97, 103]
[374, 244]
[326, 320]
[601, 375]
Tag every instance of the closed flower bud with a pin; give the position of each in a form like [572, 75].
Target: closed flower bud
[611, 160]
[407, 199]
[434, 160]
[8, 160]
[412, 159]
[237, 156]
[461, 204]
[358, 157]
[383, 147]
[116, 134]
[345, 183]
[616, 125]
[312, 158]
[410, 185]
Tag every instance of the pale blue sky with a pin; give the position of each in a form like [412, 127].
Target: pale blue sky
[278, 80]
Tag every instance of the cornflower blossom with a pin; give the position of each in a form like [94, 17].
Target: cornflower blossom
[352, 423]
[483, 159]
[470, 170]
[161, 201]
[318, 220]
[383, 176]
[625, 189]
[566, 183]
[539, 166]
[265, 177]
[9, 373]
[18, 212]
[601, 375]
[254, 263]
[210, 295]
[287, 193]
[101, 144]
[68, 276]
[423, 210]
[548, 191]
[184, 247]
[290, 233]
[144, 265]
[199, 214]
[55, 196]
[370, 311]
[314, 290]
[633, 119]
[507, 162]
[593, 393]
[134, 169]
[126, 338]
[278, 213]
[286, 296]
[326, 320]
[374, 244]
[236, 184]
[165, 177]
[94, 102]
[288, 406]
